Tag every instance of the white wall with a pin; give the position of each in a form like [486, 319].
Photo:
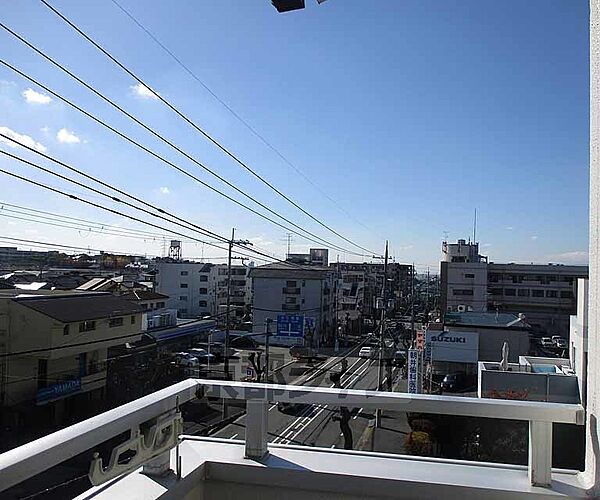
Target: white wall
[592, 472]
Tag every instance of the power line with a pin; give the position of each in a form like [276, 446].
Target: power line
[166, 141]
[237, 116]
[96, 205]
[199, 129]
[80, 227]
[77, 198]
[83, 222]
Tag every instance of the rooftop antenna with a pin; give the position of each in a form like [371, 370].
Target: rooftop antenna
[475, 227]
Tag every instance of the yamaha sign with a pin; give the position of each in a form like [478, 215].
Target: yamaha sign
[460, 347]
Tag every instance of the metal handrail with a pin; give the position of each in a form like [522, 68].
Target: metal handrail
[37, 456]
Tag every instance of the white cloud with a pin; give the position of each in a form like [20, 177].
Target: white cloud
[66, 137]
[534, 237]
[144, 92]
[45, 129]
[164, 190]
[33, 97]
[21, 139]
[509, 228]
[404, 248]
[575, 257]
[486, 245]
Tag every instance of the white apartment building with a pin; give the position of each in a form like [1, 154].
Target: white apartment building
[197, 289]
[283, 289]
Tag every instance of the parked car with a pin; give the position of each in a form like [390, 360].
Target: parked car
[546, 342]
[202, 355]
[555, 338]
[456, 382]
[366, 352]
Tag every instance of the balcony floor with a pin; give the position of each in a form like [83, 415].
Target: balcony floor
[216, 468]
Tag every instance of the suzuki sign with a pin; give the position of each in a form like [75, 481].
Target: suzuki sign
[460, 347]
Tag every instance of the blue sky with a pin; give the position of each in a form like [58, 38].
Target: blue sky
[409, 113]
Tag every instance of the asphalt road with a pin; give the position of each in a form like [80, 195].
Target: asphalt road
[313, 425]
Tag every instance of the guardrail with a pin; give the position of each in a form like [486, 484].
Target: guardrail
[37, 456]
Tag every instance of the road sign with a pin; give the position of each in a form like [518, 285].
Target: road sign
[413, 371]
[290, 325]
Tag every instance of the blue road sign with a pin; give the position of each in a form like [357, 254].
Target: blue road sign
[290, 325]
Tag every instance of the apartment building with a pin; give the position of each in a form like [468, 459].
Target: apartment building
[53, 350]
[303, 294]
[359, 284]
[197, 289]
[545, 293]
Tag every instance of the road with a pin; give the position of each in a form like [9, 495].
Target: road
[313, 425]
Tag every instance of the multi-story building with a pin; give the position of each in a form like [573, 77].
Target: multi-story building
[53, 350]
[240, 291]
[359, 285]
[305, 293]
[545, 293]
[198, 289]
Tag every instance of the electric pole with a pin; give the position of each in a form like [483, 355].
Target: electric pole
[381, 333]
[232, 242]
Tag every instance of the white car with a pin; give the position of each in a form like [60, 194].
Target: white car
[366, 352]
[546, 342]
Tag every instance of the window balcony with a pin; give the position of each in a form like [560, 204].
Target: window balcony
[205, 467]
[287, 290]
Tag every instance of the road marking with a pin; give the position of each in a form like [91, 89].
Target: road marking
[234, 436]
[357, 414]
[307, 420]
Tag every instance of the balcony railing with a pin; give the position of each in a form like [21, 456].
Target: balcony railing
[291, 290]
[161, 407]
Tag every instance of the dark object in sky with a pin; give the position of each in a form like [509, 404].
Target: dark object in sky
[287, 5]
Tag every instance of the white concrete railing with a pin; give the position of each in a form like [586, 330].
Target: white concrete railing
[37, 456]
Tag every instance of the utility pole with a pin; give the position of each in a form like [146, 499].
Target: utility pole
[381, 334]
[232, 242]
[267, 336]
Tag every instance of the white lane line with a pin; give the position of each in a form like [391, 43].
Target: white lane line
[357, 414]
[333, 445]
[234, 436]
[306, 421]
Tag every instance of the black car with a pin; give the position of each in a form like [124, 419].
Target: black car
[456, 382]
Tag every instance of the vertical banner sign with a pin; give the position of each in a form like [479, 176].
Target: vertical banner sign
[413, 371]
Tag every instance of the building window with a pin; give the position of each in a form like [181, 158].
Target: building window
[203, 291]
[290, 300]
[182, 311]
[184, 273]
[133, 320]
[183, 298]
[523, 292]
[464, 291]
[510, 292]
[290, 284]
[203, 277]
[495, 291]
[160, 305]
[66, 330]
[537, 293]
[566, 294]
[87, 326]
[112, 322]
[469, 275]
[552, 294]
[202, 303]
[183, 285]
